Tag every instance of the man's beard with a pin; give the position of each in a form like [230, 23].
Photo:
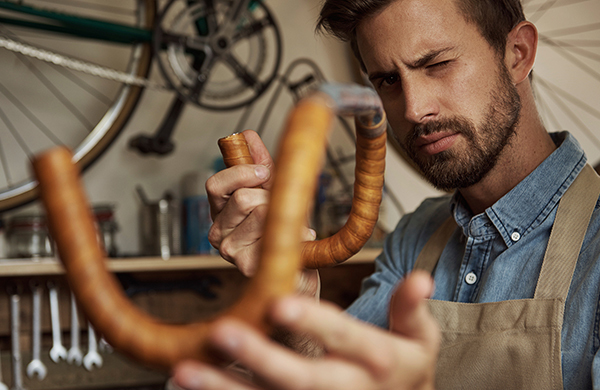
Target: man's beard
[448, 170]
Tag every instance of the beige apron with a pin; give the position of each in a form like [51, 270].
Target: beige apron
[514, 344]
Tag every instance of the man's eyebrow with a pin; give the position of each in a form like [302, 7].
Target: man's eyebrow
[422, 61]
[429, 57]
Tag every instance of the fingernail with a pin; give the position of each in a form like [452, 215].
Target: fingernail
[261, 172]
[290, 311]
[227, 338]
[192, 380]
[313, 233]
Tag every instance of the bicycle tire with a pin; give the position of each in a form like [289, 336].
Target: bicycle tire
[110, 123]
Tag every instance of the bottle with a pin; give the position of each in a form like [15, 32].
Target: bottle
[195, 216]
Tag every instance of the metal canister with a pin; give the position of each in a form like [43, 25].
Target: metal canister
[107, 227]
[160, 232]
[28, 237]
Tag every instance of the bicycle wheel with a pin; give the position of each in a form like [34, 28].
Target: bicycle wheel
[43, 105]
[566, 79]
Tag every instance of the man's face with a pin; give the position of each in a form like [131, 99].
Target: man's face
[447, 95]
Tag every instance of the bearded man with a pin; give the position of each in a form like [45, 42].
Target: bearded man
[513, 252]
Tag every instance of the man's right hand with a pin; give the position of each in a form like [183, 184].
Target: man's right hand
[238, 209]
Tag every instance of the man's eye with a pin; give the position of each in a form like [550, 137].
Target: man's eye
[439, 64]
[389, 80]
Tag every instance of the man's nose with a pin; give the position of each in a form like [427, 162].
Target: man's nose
[420, 100]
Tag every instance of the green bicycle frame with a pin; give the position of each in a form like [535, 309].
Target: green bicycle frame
[84, 27]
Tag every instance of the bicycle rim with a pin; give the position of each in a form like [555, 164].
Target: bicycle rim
[43, 105]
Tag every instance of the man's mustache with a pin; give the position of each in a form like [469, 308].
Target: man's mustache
[456, 125]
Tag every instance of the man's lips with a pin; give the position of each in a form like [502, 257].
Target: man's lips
[436, 142]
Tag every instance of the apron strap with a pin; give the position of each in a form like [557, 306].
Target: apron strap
[566, 238]
[431, 252]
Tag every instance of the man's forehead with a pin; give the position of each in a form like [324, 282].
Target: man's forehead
[416, 25]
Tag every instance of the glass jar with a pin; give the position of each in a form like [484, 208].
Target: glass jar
[28, 237]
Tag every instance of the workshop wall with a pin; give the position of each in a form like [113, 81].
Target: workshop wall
[113, 178]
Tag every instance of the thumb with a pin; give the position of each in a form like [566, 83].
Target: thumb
[260, 154]
[409, 314]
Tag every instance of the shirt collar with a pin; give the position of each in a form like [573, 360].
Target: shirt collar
[529, 203]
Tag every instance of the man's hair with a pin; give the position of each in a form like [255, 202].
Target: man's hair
[494, 19]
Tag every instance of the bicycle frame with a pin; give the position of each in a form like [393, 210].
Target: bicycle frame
[75, 25]
[97, 29]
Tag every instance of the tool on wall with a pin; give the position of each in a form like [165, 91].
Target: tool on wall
[36, 368]
[74, 355]
[15, 333]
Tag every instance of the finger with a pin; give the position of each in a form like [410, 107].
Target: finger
[339, 334]
[192, 375]
[236, 210]
[242, 245]
[408, 312]
[309, 283]
[268, 360]
[276, 367]
[259, 152]
[221, 185]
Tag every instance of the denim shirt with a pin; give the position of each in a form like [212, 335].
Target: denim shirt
[497, 255]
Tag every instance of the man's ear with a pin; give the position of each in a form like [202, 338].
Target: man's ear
[521, 49]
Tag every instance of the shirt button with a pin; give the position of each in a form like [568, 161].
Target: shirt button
[515, 236]
[471, 278]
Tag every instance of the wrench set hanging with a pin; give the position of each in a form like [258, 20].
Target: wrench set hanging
[37, 367]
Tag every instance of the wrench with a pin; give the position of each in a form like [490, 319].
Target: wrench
[36, 367]
[58, 351]
[74, 356]
[104, 346]
[92, 357]
[15, 342]
[2, 385]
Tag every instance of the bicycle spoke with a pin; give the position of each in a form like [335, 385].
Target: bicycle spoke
[79, 98]
[572, 30]
[547, 5]
[567, 111]
[544, 7]
[30, 115]
[83, 84]
[592, 72]
[3, 159]
[56, 92]
[14, 132]
[574, 49]
[580, 42]
[567, 96]
[71, 75]
[546, 109]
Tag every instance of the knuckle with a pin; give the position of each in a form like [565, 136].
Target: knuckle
[243, 199]
[214, 236]
[381, 362]
[227, 249]
[212, 186]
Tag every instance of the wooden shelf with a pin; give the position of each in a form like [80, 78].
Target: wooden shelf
[51, 266]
